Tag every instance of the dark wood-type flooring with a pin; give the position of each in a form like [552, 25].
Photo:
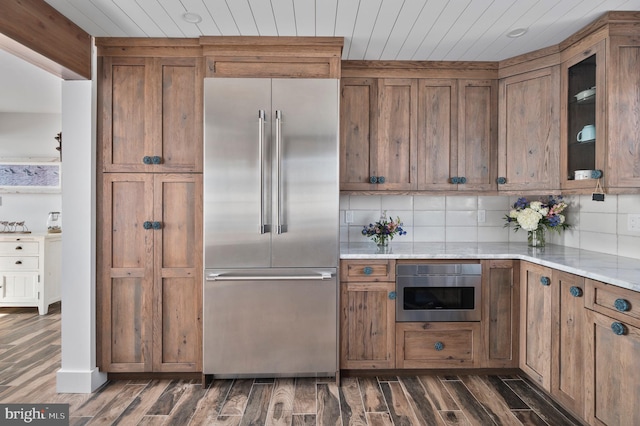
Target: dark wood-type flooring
[30, 357]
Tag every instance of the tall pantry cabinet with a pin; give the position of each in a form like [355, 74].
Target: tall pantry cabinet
[150, 209]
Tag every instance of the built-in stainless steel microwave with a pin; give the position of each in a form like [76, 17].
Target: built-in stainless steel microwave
[438, 292]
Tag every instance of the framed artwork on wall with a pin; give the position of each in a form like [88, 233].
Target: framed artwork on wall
[39, 175]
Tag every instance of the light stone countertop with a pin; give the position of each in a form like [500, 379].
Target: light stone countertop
[617, 270]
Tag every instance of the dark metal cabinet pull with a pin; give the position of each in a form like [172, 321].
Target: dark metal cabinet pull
[392, 295]
[545, 280]
[501, 180]
[439, 346]
[368, 270]
[156, 159]
[622, 305]
[18, 247]
[147, 224]
[619, 328]
[147, 160]
[157, 225]
[18, 262]
[575, 291]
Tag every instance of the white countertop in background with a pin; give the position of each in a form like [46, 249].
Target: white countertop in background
[616, 270]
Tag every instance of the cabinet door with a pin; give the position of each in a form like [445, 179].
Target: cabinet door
[367, 338]
[582, 72]
[623, 166]
[358, 132]
[437, 133]
[126, 131]
[19, 288]
[612, 373]
[151, 114]
[477, 136]
[500, 314]
[535, 323]
[127, 272]
[396, 157]
[567, 360]
[178, 117]
[529, 131]
[177, 289]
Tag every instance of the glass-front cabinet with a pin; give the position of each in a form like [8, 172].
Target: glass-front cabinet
[582, 157]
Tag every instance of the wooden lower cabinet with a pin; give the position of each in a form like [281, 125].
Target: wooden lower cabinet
[535, 323]
[612, 376]
[150, 289]
[438, 344]
[368, 315]
[500, 313]
[567, 340]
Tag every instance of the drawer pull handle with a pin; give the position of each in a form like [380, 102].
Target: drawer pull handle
[18, 247]
[392, 295]
[575, 291]
[368, 270]
[439, 346]
[147, 160]
[156, 159]
[622, 305]
[18, 262]
[619, 328]
[501, 180]
[147, 224]
[545, 280]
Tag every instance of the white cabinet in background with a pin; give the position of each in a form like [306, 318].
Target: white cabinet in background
[30, 266]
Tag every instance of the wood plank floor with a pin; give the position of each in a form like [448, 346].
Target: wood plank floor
[30, 357]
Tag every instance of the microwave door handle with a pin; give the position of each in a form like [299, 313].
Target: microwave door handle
[280, 227]
[261, 121]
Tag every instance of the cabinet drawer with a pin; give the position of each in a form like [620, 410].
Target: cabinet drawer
[18, 247]
[437, 344]
[18, 263]
[368, 270]
[616, 302]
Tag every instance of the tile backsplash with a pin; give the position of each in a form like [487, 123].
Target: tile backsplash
[597, 226]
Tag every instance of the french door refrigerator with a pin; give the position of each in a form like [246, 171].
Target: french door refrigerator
[271, 222]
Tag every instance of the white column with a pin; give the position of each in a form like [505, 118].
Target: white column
[78, 373]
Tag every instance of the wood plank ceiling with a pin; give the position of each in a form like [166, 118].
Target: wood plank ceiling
[452, 30]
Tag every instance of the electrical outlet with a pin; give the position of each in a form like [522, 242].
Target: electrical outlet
[482, 216]
[348, 216]
[633, 222]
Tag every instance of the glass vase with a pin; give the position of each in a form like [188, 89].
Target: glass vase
[536, 238]
[382, 242]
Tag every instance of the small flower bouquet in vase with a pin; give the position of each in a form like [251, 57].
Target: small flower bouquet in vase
[537, 216]
[384, 230]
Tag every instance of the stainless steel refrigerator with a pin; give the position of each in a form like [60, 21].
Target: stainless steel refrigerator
[271, 222]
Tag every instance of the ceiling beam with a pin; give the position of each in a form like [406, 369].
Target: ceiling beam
[39, 34]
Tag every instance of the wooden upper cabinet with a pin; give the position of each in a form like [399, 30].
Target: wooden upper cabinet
[529, 122]
[151, 114]
[437, 133]
[378, 134]
[477, 135]
[584, 70]
[358, 132]
[395, 162]
[623, 165]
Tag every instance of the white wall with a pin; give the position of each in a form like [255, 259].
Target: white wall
[29, 135]
[598, 226]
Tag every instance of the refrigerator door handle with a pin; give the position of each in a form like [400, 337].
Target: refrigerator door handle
[261, 120]
[280, 227]
[221, 277]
